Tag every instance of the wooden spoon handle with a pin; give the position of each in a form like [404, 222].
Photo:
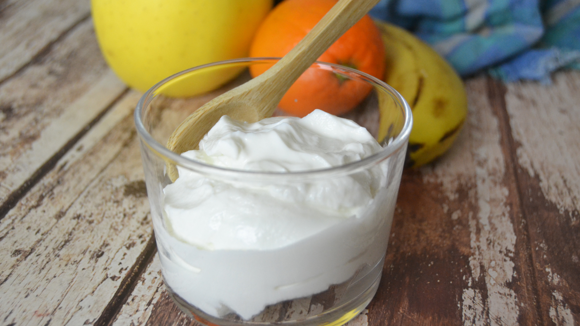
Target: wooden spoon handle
[336, 22]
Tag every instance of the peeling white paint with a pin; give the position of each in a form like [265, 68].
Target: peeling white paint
[473, 308]
[560, 313]
[138, 307]
[555, 162]
[552, 277]
[551, 155]
[475, 258]
[477, 159]
[495, 235]
[456, 215]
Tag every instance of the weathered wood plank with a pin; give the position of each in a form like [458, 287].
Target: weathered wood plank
[137, 310]
[48, 104]
[46, 189]
[28, 27]
[545, 128]
[72, 239]
[457, 255]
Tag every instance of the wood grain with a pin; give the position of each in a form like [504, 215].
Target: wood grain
[29, 27]
[139, 306]
[71, 240]
[49, 104]
[456, 255]
[545, 128]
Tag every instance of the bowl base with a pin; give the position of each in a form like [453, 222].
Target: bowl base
[331, 307]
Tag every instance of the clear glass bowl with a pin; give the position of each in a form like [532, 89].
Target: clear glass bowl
[325, 278]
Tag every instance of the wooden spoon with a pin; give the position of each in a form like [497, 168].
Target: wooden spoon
[257, 99]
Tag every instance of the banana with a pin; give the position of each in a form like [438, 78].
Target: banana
[431, 87]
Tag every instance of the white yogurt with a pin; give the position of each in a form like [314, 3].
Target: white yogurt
[240, 246]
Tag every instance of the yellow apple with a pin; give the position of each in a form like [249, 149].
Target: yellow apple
[144, 41]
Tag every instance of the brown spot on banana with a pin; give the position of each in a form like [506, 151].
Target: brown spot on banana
[452, 132]
[411, 148]
[418, 92]
[439, 106]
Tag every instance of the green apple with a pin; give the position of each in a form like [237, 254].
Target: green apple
[145, 41]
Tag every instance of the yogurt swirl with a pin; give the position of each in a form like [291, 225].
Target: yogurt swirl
[210, 221]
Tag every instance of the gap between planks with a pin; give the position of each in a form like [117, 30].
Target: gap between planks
[497, 91]
[128, 284]
[21, 191]
[120, 114]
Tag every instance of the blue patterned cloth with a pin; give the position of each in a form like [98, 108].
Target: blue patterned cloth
[513, 39]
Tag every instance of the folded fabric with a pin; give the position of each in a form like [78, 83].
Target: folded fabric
[515, 39]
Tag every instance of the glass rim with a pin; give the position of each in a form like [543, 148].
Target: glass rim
[387, 150]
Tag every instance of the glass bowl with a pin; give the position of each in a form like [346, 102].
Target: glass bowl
[325, 278]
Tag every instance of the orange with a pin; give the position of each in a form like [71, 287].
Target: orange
[361, 48]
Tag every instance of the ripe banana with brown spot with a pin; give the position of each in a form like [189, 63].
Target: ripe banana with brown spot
[431, 87]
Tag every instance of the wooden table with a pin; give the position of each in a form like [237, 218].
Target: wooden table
[487, 235]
